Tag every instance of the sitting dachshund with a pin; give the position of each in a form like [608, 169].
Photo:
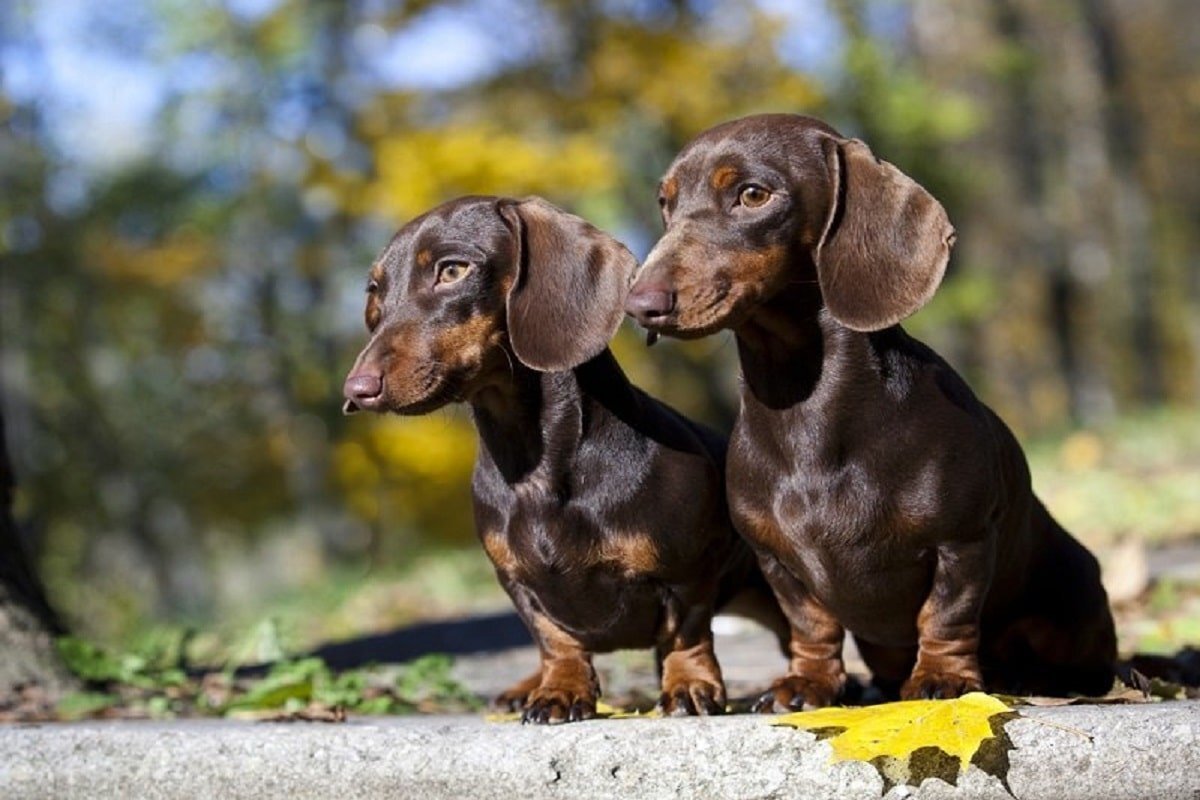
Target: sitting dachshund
[880, 495]
[602, 509]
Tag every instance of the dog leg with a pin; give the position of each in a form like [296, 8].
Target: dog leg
[691, 676]
[948, 624]
[569, 688]
[816, 675]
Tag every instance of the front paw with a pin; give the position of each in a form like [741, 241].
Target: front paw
[551, 705]
[799, 693]
[935, 685]
[515, 697]
[690, 698]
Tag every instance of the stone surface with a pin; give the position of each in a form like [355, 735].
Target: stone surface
[1143, 751]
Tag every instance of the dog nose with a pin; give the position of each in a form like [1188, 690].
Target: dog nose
[362, 390]
[649, 303]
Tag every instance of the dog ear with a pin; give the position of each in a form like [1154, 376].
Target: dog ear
[885, 245]
[568, 296]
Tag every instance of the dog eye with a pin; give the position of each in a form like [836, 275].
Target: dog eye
[753, 196]
[452, 272]
[372, 286]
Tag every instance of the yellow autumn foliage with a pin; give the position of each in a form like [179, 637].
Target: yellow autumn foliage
[435, 448]
[660, 74]
[578, 140]
[410, 473]
[896, 731]
[183, 254]
[421, 168]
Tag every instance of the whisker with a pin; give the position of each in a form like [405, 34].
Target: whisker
[512, 369]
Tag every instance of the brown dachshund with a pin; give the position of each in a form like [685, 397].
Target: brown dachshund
[879, 494]
[602, 509]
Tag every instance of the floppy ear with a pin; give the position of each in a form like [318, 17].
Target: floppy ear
[568, 297]
[886, 243]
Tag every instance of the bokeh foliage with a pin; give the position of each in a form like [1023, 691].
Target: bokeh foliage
[176, 322]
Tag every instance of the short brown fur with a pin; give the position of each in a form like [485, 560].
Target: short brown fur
[880, 495]
[602, 510]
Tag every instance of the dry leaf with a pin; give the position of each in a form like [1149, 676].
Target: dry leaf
[603, 711]
[312, 713]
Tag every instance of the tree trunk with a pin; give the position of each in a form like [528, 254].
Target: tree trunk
[1132, 205]
[27, 623]
[1029, 159]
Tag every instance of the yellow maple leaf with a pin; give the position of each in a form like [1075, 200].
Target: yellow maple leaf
[914, 739]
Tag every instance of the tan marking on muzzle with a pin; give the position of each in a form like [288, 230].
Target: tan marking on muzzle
[466, 343]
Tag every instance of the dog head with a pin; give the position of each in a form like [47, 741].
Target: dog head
[760, 203]
[464, 288]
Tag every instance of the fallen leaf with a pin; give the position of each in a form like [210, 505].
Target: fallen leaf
[310, 714]
[1047, 702]
[1124, 695]
[620, 713]
[79, 705]
[1165, 690]
[603, 711]
[1156, 687]
[910, 741]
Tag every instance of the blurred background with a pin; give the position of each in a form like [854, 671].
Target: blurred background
[193, 191]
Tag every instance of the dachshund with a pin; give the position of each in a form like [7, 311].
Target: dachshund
[880, 495]
[602, 509]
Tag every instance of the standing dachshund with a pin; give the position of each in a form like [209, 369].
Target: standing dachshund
[880, 495]
[602, 509]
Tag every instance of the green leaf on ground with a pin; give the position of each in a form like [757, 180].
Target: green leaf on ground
[79, 705]
[150, 682]
[428, 679]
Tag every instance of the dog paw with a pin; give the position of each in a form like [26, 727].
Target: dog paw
[692, 698]
[551, 705]
[924, 685]
[510, 700]
[798, 693]
[515, 697]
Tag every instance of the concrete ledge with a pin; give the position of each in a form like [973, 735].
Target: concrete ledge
[1092, 752]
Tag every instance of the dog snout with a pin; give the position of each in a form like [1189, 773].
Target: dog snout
[650, 303]
[363, 390]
